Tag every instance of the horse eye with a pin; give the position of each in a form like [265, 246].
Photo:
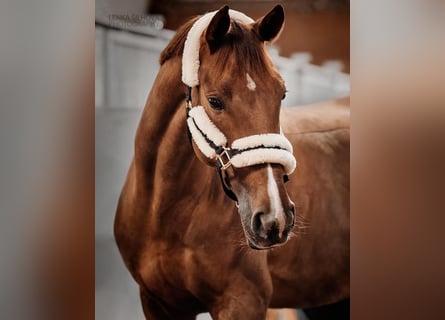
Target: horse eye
[215, 103]
[285, 178]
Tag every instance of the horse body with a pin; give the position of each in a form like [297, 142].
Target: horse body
[181, 238]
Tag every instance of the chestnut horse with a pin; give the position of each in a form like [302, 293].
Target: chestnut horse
[191, 248]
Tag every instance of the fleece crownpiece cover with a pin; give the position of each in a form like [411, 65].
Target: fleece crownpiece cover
[190, 56]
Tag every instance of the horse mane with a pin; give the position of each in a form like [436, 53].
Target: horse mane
[247, 52]
[176, 45]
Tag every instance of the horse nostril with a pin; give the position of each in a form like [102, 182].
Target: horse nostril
[292, 216]
[284, 235]
[256, 222]
[269, 223]
[264, 225]
[292, 209]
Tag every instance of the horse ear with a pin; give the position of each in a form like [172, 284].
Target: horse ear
[270, 26]
[217, 28]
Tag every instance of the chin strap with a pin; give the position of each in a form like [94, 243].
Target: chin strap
[225, 184]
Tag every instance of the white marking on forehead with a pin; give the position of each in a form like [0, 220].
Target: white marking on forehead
[251, 85]
[275, 201]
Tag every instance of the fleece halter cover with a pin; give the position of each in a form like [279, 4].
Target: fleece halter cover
[247, 151]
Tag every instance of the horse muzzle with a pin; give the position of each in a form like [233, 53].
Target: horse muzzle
[269, 231]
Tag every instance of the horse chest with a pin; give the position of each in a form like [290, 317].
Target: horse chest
[184, 276]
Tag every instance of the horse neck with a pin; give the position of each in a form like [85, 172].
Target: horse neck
[163, 101]
[168, 173]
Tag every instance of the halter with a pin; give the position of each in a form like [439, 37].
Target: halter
[243, 152]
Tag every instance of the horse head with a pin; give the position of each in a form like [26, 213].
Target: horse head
[233, 116]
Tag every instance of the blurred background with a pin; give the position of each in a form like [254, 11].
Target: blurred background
[47, 153]
[312, 56]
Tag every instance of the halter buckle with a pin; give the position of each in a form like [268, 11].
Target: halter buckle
[224, 159]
